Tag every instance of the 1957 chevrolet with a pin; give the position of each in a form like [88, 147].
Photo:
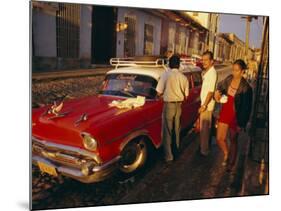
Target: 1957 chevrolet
[89, 139]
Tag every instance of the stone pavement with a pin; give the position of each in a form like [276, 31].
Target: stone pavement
[194, 177]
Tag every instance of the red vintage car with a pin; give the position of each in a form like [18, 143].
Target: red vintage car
[88, 139]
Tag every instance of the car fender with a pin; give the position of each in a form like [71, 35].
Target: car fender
[133, 136]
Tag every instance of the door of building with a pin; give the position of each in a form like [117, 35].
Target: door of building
[103, 34]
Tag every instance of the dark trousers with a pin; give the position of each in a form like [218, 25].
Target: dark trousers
[171, 128]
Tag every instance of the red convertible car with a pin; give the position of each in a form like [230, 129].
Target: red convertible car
[88, 139]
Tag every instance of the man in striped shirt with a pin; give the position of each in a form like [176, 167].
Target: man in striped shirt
[174, 88]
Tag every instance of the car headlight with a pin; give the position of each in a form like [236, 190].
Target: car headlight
[89, 142]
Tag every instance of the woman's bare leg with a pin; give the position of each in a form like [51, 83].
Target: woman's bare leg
[221, 139]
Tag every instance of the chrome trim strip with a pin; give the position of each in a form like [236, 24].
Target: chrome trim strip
[104, 166]
[60, 169]
[99, 173]
[68, 148]
[63, 159]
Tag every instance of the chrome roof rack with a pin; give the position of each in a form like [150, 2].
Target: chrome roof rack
[125, 62]
[188, 61]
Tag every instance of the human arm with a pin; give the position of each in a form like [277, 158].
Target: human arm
[207, 101]
[161, 86]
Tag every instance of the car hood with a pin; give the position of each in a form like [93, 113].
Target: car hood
[76, 116]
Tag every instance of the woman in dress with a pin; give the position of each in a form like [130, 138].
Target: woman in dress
[235, 111]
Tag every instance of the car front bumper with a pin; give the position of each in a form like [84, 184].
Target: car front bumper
[72, 162]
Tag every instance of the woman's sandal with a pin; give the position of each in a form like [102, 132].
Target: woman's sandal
[225, 161]
[230, 167]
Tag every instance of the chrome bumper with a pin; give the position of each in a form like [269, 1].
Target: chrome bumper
[72, 162]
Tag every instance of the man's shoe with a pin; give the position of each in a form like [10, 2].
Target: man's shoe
[168, 162]
[201, 155]
[176, 154]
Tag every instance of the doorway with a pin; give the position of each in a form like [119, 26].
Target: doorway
[103, 34]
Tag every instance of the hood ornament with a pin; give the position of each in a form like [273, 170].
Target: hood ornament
[83, 117]
[55, 109]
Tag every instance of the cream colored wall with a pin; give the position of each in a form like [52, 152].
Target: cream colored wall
[141, 19]
[202, 18]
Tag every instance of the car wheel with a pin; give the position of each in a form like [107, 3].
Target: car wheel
[133, 156]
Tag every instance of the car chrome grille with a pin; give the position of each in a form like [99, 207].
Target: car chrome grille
[60, 155]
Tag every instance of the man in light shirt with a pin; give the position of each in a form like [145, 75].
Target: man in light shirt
[207, 102]
[174, 88]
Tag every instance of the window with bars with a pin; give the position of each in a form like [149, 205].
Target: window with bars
[182, 42]
[148, 39]
[171, 41]
[129, 37]
[177, 40]
[68, 27]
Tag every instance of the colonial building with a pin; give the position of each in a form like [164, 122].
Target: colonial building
[61, 36]
[181, 33]
[257, 54]
[223, 48]
[209, 21]
[72, 36]
[200, 37]
[213, 27]
[139, 33]
[251, 54]
[238, 47]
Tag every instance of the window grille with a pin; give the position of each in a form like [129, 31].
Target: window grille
[148, 39]
[68, 28]
[130, 36]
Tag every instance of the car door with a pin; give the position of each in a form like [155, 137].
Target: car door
[187, 108]
[197, 83]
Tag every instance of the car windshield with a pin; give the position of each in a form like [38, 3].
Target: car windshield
[129, 85]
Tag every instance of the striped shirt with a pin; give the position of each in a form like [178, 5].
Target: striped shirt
[173, 85]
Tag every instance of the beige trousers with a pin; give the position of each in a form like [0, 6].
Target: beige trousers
[171, 128]
[205, 129]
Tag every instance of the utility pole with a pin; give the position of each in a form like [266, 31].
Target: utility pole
[215, 34]
[248, 22]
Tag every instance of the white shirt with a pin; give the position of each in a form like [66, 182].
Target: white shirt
[209, 85]
[173, 85]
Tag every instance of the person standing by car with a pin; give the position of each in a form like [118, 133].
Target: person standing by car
[174, 88]
[209, 76]
[167, 56]
[235, 112]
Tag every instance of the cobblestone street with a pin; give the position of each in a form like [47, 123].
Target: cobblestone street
[189, 177]
[46, 92]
